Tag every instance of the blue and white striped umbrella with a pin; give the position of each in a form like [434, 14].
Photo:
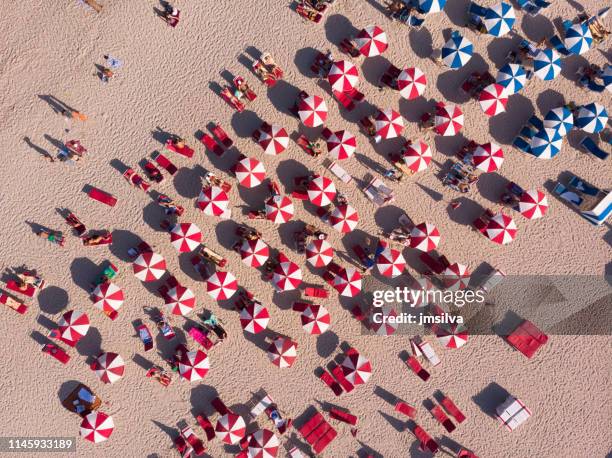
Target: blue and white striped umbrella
[499, 19]
[513, 77]
[547, 64]
[561, 119]
[457, 51]
[607, 77]
[592, 118]
[431, 6]
[546, 143]
[578, 38]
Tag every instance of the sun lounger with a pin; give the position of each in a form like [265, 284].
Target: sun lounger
[590, 146]
[219, 406]
[29, 290]
[521, 144]
[349, 48]
[211, 145]
[264, 402]
[339, 376]
[308, 13]
[439, 415]
[427, 443]
[378, 192]
[101, 196]
[426, 349]
[330, 382]
[344, 100]
[337, 170]
[184, 151]
[388, 81]
[359, 315]
[226, 94]
[303, 142]
[300, 306]
[222, 136]
[463, 453]
[300, 195]
[316, 292]
[183, 447]
[136, 180]
[12, 303]
[480, 224]
[406, 409]
[355, 95]
[527, 338]
[512, 413]
[207, 426]
[416, 367]
[200, 337]
[56, 352]
[452, 409]
[165, 163]
[367, 260]
[81, 400]
[477, 9]
[557, 44]
[145, 336]
[153, 173]
[193, 440]
[248, 93]
[318, 433]
[294, 452]
[342, 415]
[435, 265]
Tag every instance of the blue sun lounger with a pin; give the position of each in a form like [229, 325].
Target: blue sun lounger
[556, 43]
[521, 144]
[590, 146]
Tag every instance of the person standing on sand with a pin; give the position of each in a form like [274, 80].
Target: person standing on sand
[93, 4]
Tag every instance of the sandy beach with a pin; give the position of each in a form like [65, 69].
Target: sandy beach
[169, 85]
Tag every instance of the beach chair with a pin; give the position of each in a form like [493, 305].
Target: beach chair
[343, 416]
[426, 442]
[219, 406]
[201, 337]
[235, 103]
[56, 352]
[316, 292]
[591, 85]
[207, 426]
[184, 151]
[152, 172]
[416, 367]
[165, 163]
[590, 146]
[339, 376]
[222, 136]
[304, 143]
[355, 95]
[452, 409]
[81, 400]
[249, 93]
[194, 441]
[344, 100]
[477, 9]
[326, 378]
[521, 144]
[527, 338]
[13, 303]
[434, 264]
[307, 13]
[145, 336]
[28, 290]
[425, 349]
[183, 447]
[262, 402]
[463, 453]
[101, 196]
[211, 145]
[406, 409]
[294, 452]
[348, 47]
[557, 44]
[512, 413]
[441, 417]
[378, 192]
[366, 260]
[493, 279]
[317, 432]
[480, 224]
[136, 180]
[337, 170]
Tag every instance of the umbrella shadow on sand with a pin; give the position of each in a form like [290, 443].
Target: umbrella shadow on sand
[450, 145]
[327, 343]
[468, 211]
[387, 217]
[456, 10]
[304, 58]
[200, 399]
[373, 69]
[170, 431]
[188, 181]
[505, 126]
[283, 96]
[537, 27]
[245, 123]
[289, 169]
[84, 271]
[490, 397]
[122, 241]
[549, 99]
[491, 186]
[52, 299]
[91, 344]
[499, 49]
[421, 42]
[225, 232]
[449, 83]
[366, 451]
[153, 214]
[338, 27]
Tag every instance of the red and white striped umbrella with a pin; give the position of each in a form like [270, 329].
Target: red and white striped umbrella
[254, 318]
[424, 237]
[501, 229]
[343, 76]
[312, 111]
[389, 124]
[263, 444]
[411, 83]
[213, 201]
[273, 139]
[448, 119]
[287, 275]
[97, 427]
[371, 41]
[107, 297]
[149, 266]
[73, 326]
[488, 157]
[341, 145]
[321, 191]
[185, 237]
[456, 276]
[180, 300]
[282, 352]
[109, 367]
[315, 319]
[319, 253]
[348, 282]
[533, 204]
[279, 209]
[383, 328]
[230, 428]
[493, 99]
[250, 172]
[254, 253]
[194, 365]
[357, 368]
[221, 285]
[344, 218]
[417, 155]
[419, 287]
[452, 335]
[391, 262]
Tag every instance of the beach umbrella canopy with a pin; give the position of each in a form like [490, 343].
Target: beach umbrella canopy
[254, 318]
[315, 319]
[149, 266]
[389, 124]
[97, 427]
[411, 83]
[501, 229]
[213, 200]
[319, 253]
[250, 172]
[273, 139]
[263, 444]
[452, 335]
[578, 38]
[221, 285]
[561, 119]
[533, 204]
[456, 276]
[344, 218]
[282, 352]
[371, 41]
[185, 237]
[448, 119]
[457, 51]
[431, 6]
[109, 367]
[424, 237]
[287, 275]
[390, 262]
[180, 300]
[230, 428]
[421, 286]
[348, 282]
[488, 157]
[254, 253]
[417, 155]
[607, 77]
[341, 145]
[385, 328]
[592, 118]
[279, 209]
[547, 64]
[343, 76]
[513, 77]
[194, 365]
[357, 368]
[546, 143]
[312, 111]
[321, 191]
[499, 19]
[73, 326]
[107, 297]
[493, 99]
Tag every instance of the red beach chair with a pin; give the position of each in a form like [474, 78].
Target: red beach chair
[29, 291]
[343, 416]
[13, 303]
[227, 95]
[527, 338]
[207, 426]
[153, 173]
[183, 447]
[355, 95]
[316, 292]
[56, 352]
[331, 383]
[339, 375]
[165, 163]
[463, 453]
[200, 337]
[308, 14]
[452, 409]
[406, 409]
[218, 405]
[184, 151]
[414, 364]
[145, 336]
[439, 415]
[193, 440]
[427, 443]
[222, 136]
[101, 196]
[344, 100]
[436, 266]
[211, 145]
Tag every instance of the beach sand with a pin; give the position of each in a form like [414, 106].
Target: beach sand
[165, 86]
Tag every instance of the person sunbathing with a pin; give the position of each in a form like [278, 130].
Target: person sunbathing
[98, 239]
[170, 208]
[52, 236]
[598, 31]
[395, 6]
[171, 15]
[271, 66]
[75, 223]
[28, 278]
